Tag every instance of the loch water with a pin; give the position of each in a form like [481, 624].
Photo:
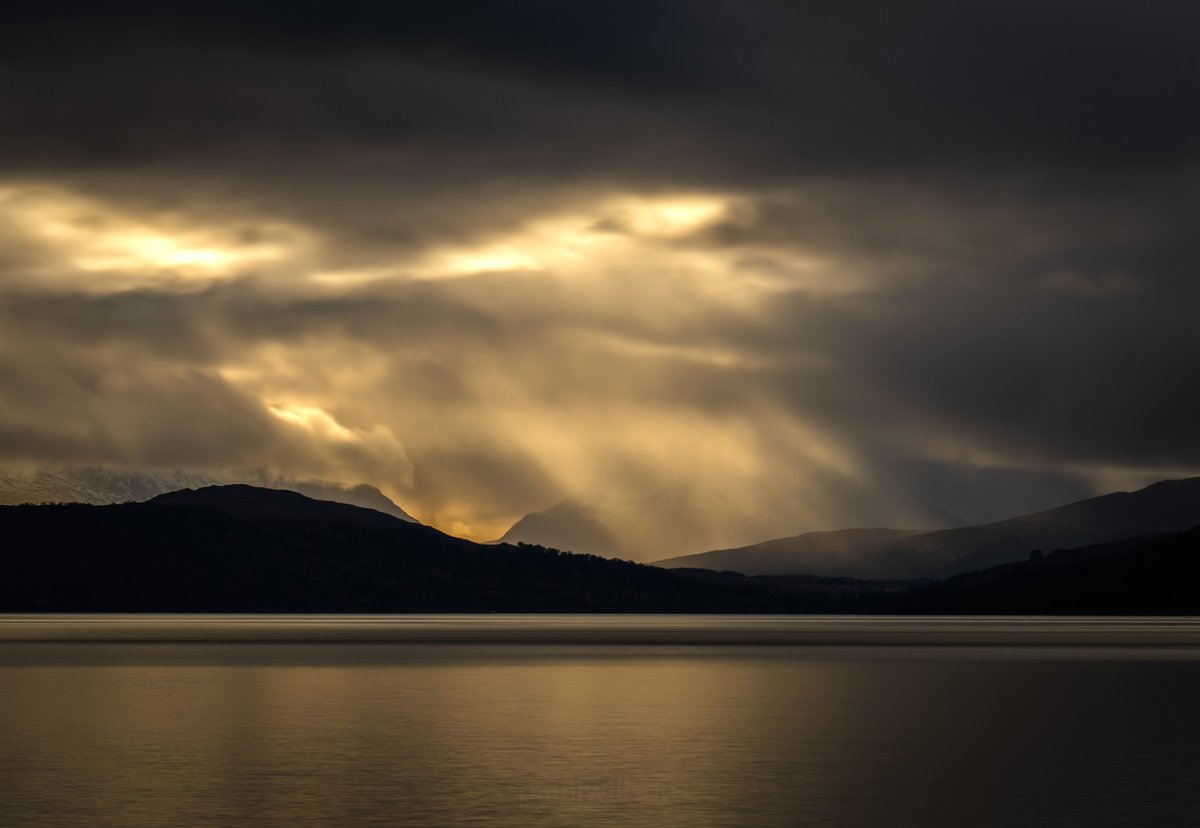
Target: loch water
[530, 721]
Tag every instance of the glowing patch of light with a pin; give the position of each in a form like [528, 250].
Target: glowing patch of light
[493, 260]
[156, 252]
[351, 277]
[94, 237]
[668, 216]
[604, 229]
[313, 419]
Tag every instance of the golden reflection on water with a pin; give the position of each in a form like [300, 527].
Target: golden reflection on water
[391, 734]
[522, 742]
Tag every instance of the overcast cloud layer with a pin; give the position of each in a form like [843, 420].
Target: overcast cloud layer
[486, 255]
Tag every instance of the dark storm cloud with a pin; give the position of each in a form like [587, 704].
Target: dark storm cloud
[1060, 324]
[1067, 378]
[708, 89]
[947, 233]
[1090, 379]
[74, 406]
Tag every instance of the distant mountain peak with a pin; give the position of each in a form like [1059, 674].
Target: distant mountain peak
[687, 517]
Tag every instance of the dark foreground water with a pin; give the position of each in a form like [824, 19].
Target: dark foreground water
[512, 721]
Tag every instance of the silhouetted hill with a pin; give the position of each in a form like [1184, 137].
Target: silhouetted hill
[260, 506]
[100, 485]
[1148, 575]
[1155, 575]
[1168, 506]
[245, 549]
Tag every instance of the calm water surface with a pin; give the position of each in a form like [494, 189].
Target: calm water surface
[484, 721]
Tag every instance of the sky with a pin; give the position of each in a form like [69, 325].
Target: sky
[487, 255]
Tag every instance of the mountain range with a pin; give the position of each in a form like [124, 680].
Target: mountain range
[1167, 506]
[245, 549]
[240, 548]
